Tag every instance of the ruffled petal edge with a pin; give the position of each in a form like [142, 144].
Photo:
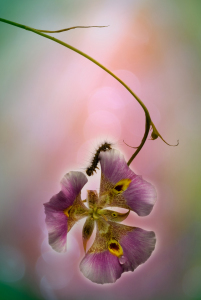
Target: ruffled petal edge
[140, 195]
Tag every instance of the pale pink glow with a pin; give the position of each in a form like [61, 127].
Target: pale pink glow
[107, 98]
[92, 184]
[134, 128]
[72, 249]
[102, 123]
[140, 34]
[89, 76]
[154, 159]
[58, 269]
[58, 273]
[130, 79]
[86, 151]
[106, 38]
[135, 120]
[45, 115]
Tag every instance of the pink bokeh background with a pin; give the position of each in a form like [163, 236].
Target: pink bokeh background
[57, 107]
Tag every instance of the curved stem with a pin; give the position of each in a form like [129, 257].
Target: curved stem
[148, 119]
[147, 128]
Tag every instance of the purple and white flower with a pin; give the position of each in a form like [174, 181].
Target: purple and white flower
[117, 248]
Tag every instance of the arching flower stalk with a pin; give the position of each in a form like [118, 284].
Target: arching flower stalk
[148, 123]
[117, 248]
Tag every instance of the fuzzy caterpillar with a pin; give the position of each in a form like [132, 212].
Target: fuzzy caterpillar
[94, 164]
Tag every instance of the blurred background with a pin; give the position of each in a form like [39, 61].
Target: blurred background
[56, 107]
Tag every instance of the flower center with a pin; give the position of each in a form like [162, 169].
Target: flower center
[95, 213]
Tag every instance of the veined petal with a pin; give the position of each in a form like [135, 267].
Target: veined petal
[99, 265]
[138, 246]
[71, 185]
[121, 187]
[57, 229]
[61, 209]
[117, 248]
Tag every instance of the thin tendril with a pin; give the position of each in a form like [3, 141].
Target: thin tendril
[130, 146]
[157, 134]
[66, 29]
[148, 122]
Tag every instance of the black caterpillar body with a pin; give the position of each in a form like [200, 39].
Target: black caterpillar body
[92, 168]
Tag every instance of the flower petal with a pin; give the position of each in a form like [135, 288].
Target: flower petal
[117, 248]
[56, 219]
[112, 215]
[137, 194]
[87, 231]
[57, 229]
[71, 185]
[99, 265]
[92, 198]
[137, 244]
[102, 267]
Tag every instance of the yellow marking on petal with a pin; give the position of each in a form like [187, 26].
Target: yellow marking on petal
[115, 248]
[104, 217]
[121, 186]
[67, 210]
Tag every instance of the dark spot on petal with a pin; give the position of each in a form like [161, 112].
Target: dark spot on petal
[118, 187]
[87, 230]
[114, 246]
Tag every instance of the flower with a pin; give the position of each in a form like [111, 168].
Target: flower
[117, 248]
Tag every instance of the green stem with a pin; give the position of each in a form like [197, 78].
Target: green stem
[148, 119]
[147, 128]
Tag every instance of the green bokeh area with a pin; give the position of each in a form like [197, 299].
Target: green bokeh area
[12, 292]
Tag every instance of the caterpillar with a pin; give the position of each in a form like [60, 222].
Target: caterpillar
[92, 168]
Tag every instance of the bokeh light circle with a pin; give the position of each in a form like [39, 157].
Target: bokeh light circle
[102, 123]
[12, 265]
